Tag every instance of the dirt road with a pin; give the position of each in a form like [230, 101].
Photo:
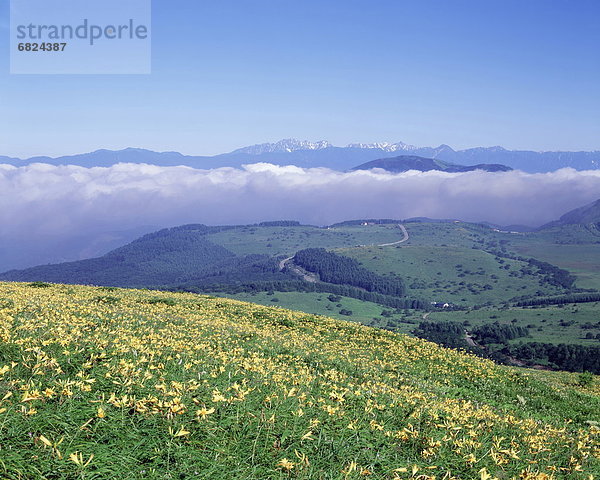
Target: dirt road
[404, 232]
[282, 263]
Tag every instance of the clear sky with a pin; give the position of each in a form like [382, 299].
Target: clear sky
[524, 74]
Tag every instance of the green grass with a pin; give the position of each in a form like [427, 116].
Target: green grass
[544, 323]
[581, 260]
[563, 235]
[429, 262]
[459, 234]
[573, 247]
[198, 387]
[367, 313]
[288, 240]
[452, 274]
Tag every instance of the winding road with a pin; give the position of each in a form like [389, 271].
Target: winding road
[404, 239]
[283, 262]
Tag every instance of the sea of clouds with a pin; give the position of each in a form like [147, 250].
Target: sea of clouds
[41, 199]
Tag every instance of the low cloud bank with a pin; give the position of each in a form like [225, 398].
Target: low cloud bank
[43, 200]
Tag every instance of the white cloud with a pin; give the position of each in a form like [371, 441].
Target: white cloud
[48, 200]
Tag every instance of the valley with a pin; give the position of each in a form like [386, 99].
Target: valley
[389, 274]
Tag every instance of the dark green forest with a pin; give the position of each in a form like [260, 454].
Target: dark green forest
[340, 270]
[573, 358]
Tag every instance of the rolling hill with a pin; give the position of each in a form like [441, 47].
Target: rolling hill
[242, 258]
[24, 251]
[230, 259]
[444, 261]
[110, 383]
[404, 163]
[372, 272]
[164, 259]
[588, 214]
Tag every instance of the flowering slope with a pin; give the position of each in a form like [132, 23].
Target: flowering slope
[104, 383]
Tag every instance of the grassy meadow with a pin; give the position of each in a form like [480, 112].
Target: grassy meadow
[317, 304]
[100, 383]
[462, 276]
[552, 324]
[288, 240]
[582, 260]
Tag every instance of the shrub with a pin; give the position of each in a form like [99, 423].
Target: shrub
[585, 379]
[39, 285]
[166, 301]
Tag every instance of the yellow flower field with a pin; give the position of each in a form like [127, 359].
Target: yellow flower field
[112, 383]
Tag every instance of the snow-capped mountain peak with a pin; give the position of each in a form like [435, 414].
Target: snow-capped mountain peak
[385, 146]
[291, 145]
[286, 145]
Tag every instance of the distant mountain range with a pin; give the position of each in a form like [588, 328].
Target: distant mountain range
[323, 154]
[291, 145]
[404, 163]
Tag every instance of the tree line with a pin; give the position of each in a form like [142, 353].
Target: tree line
[552, 274]
[561, 299]
[498, 333]
[340, 270]
[447, 334]
[300, 286]
[573, 358]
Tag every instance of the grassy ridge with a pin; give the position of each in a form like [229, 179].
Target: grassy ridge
[288, 240]
[105, 383]
[463, 276]
[319, 304]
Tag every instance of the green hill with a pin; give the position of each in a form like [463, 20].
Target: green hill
[197, 254]
[167, 258]
[103, 383]
[588, 214]
[403, 163]
[375, 273]
[198, 257]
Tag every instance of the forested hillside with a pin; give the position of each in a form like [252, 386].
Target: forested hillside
[165, 259]
[334, 268]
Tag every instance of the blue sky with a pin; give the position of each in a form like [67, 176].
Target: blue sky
[521, 74]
